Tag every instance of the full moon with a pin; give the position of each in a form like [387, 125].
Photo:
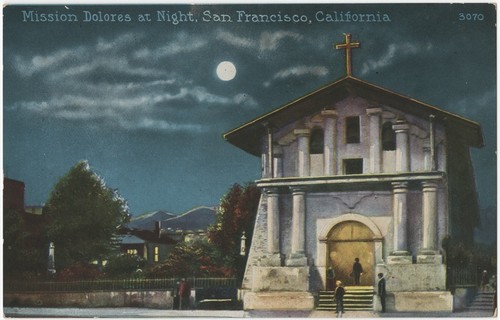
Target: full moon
[226, 71]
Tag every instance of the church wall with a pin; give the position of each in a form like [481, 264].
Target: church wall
[418, 140]
[419, 143]
[326, 206]
[442, 216]
[388, 161]
[350, 107]
[441, 147]
[289, 160]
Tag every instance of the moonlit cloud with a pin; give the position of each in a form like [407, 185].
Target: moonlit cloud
[161, 125]
[87, 83]
[182, 43]
[482, 103]
[298, 71]
[269, 41]
[120, 42]
[29, 66]
[245, 100]
[235, 40]
[393, 53]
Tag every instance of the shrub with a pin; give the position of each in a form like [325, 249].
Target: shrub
[80, 271]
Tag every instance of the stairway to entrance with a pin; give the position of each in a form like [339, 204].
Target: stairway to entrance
[356, 298]
[483, 301]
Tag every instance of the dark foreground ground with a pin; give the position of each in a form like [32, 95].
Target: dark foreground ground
[156, 313]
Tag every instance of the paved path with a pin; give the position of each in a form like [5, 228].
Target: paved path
[117, 313]
[157, 313]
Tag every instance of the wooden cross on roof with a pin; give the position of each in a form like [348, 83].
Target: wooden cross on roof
[348, 45]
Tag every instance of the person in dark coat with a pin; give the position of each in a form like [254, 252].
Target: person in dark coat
[484, 279]
[357, 270]
[381, 290]
[339, 298]
[184, 294]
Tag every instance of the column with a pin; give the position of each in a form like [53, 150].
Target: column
[429, 215]
[429, 249]
[297, 256]
[265, 166]
[330, 140]
[402, 146]
[270, 151]
[427, 158]
[273, 233]
[375, 139]
[432, 142]
[278, 162]
[400, 252]
[304, 165]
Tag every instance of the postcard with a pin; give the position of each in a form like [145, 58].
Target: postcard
[263, 160]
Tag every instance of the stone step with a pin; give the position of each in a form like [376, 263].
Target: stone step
[356, 298]
[490, 301]
[481, 307]
[370, 298]
[347, 305]
[349, 295]
[484, 301]
[367, 307]
[355, 290]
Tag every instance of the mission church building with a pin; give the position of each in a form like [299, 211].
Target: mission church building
[353, 170]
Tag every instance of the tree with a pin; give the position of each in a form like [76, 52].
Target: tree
[25, 249]
[84, 216]
[236, 215]
[124, 266]
[196, 258]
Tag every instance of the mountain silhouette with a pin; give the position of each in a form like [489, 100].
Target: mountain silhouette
[195, 219]
[146, 221]
[198, 218]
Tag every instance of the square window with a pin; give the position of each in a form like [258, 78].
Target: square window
[353, 166]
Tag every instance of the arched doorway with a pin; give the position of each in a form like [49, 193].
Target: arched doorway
[349, 240]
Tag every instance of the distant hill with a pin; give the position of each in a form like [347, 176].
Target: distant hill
[195, 219]
[198, 218]
[146, 221]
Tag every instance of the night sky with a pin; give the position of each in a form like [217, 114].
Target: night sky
[142, 102]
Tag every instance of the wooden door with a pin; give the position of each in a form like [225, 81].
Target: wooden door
[347, 241]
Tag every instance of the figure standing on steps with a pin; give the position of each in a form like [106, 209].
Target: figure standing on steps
[330, 279]
[357, 271]
[381, 290]
[484, 279]
[339, 298]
